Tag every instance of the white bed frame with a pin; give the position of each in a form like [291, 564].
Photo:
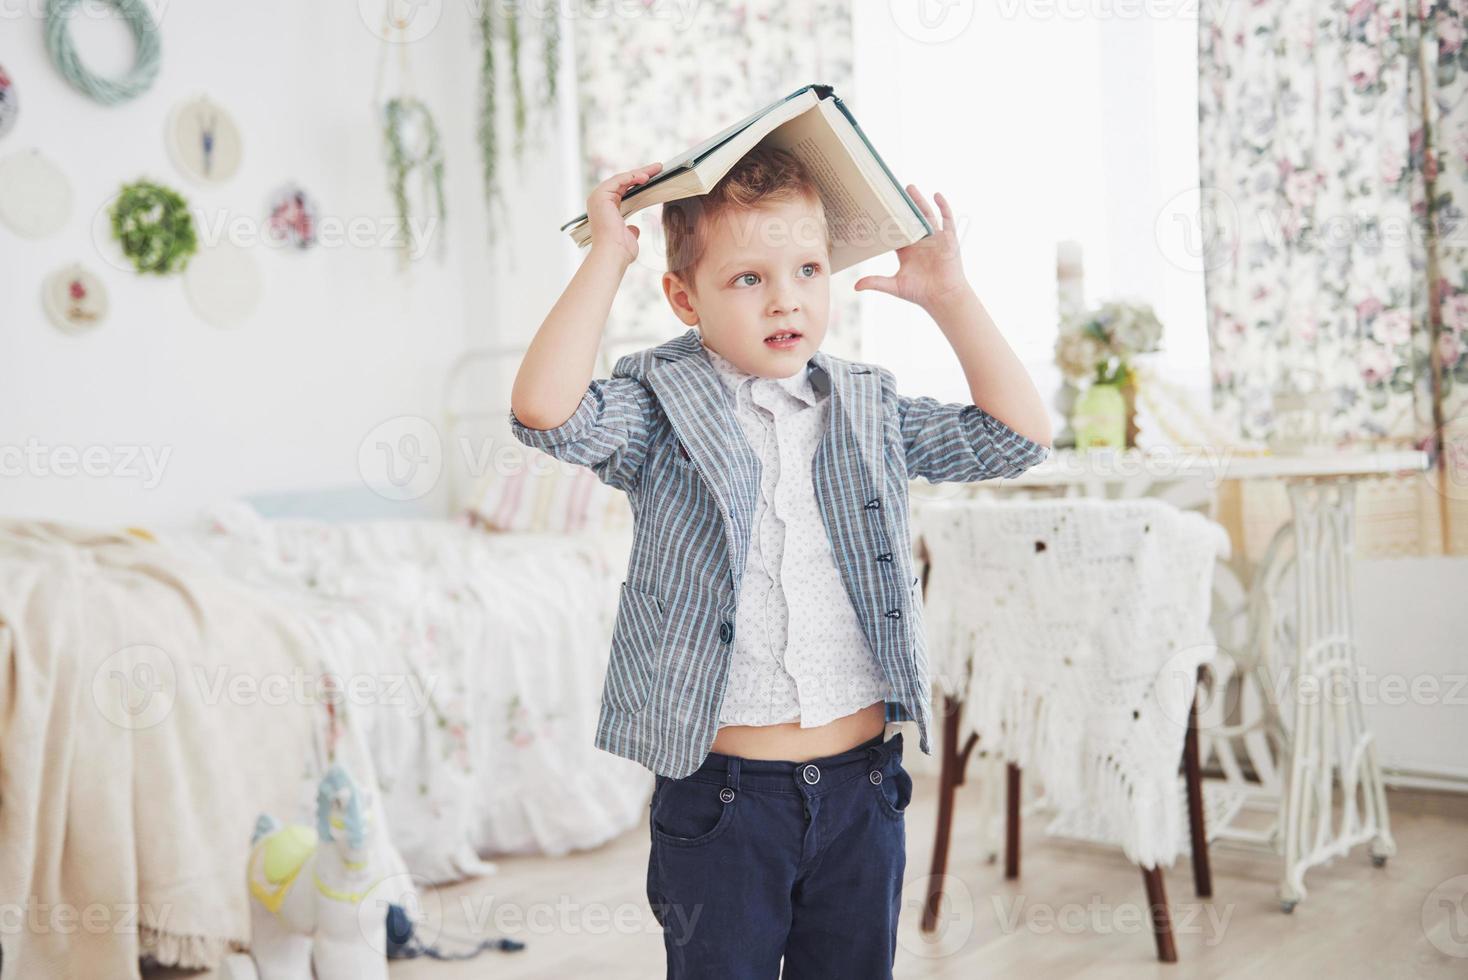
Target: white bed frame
[477, 404]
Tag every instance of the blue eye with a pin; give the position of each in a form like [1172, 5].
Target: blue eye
[813, 267]
[739, 279]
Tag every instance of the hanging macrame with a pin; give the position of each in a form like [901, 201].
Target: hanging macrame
[405, 118]
[412, 142]
[108, 91]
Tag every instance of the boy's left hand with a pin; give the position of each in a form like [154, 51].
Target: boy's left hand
[929, 270]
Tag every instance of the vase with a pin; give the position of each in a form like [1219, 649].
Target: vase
[1100, 419]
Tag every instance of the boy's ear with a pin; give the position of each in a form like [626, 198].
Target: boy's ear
[677, 292]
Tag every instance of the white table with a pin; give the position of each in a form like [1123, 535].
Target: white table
[1292, 711]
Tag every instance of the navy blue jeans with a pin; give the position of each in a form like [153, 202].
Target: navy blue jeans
[755, 859]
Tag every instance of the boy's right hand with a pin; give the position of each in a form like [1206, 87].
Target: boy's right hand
[603, 212]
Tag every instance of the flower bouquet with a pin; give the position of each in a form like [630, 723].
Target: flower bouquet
[1098, 346]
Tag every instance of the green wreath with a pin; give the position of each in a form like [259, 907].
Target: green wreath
[154, 227]
[108, 91]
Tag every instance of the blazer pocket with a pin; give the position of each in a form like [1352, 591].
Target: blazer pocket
[635, 639]
[680, 456]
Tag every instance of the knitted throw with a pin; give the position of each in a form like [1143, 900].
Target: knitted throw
[1073, 630]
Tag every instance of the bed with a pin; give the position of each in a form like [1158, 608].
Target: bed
[470, 653]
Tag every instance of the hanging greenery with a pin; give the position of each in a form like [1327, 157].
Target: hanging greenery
[520, 108]
[154, 227]
[517, 87]
[552, 49]
[488, 141]
[400, 115]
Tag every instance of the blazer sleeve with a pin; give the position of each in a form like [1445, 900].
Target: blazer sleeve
[951, 442]
[608, 433]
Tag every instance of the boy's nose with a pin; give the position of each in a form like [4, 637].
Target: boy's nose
[782, 304]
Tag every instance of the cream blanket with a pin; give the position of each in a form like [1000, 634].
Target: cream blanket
[150, 708]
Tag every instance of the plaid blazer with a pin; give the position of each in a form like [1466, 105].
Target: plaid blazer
[663, 430]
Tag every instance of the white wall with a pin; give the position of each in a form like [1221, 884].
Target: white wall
[341, 340]
[1413, 674]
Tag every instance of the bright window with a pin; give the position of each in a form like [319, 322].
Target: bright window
[1040, 122]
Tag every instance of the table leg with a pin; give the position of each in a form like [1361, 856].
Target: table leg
[1328, 741]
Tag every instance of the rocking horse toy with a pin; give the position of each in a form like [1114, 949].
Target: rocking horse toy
[308, 887]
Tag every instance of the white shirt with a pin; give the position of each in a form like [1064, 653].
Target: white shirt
[799, 652]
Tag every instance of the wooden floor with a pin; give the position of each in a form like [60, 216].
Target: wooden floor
[1077, 910]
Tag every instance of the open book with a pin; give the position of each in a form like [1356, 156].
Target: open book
[868, 211]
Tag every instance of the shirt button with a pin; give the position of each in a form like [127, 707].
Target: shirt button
[885, 556]
[894, 614]
[726, 632]
[874, 503]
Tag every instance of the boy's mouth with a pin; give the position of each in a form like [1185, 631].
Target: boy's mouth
[783, 339]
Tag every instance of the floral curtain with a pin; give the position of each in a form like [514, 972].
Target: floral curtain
[659, 76]
[1333, 152]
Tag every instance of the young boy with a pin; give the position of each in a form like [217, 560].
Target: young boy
[769, 625]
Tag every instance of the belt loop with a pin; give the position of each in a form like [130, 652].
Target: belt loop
[731, 775]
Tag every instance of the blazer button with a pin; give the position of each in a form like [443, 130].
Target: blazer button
[726, 632]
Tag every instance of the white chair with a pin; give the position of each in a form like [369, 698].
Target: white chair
[1068, 636]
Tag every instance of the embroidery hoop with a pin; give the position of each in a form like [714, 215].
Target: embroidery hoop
[224, 283]
[9, 103]
[56, 295]
[35, 196]
[204, 141]
[292, 219]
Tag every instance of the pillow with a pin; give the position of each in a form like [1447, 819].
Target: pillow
[540, 493]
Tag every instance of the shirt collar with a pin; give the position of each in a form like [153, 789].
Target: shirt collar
[798, 384]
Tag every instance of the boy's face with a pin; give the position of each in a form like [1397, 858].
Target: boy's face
[764, 272]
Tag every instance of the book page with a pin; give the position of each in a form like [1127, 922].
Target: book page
[864, 222]
[688, 175]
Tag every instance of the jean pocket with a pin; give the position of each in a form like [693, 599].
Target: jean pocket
[636, 637]
[892, 784]
[687, 813]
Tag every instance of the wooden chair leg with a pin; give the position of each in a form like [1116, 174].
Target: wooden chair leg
[1161, 918]
[954, 763]
[1011, 823]
[1193, 769]
[949, 776]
